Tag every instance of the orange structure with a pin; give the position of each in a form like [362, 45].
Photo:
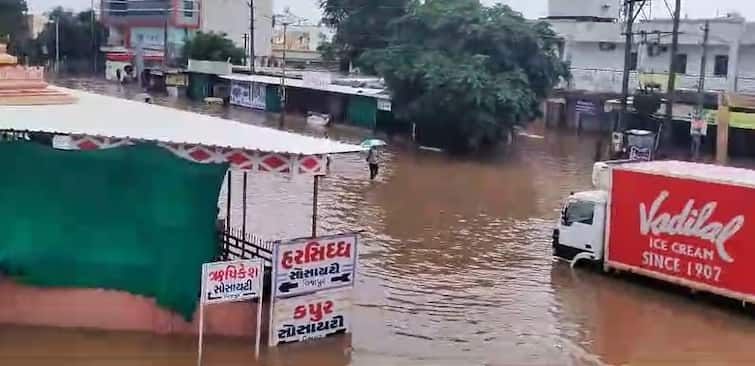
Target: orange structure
[23, 85]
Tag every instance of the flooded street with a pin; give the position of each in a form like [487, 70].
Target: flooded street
[455, 269]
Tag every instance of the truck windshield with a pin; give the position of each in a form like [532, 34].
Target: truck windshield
[579, 211]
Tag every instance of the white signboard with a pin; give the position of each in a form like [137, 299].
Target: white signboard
[310, 317]
[231, 281]
[249, 95]
[316, 80]
[384, 105]
[307, 265]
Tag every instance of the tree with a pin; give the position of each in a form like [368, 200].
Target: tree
[360, 25]
[12, 21]
[212, 47]
[75, 37]
[466, 74]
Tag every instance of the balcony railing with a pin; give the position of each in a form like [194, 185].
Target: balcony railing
[609, 81]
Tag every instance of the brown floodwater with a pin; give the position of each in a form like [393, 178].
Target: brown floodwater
[455, 269]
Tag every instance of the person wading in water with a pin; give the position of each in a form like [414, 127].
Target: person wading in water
[372, 160]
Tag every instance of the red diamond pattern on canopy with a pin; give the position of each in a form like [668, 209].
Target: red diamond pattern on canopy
[97, 143]
[277, 163]
[312, 164]
[253, 161]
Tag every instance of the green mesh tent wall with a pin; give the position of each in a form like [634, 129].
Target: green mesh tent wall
[136, 218]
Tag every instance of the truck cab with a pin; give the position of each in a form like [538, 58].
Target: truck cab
[581, 227]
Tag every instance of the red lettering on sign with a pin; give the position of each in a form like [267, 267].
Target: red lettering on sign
[316, 311]
[316, 252]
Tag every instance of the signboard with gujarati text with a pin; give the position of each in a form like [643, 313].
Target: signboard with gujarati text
[684, 231]
[250, 95]
[311, 317]
[231, 281]
[307, 265]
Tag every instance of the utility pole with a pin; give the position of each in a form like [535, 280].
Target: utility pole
[245, 37]
[671, 88]
[94, 41]
[629, 10]
[698, 128]
[283, 74]
[165, 39]
[251, 36]
[703, 62]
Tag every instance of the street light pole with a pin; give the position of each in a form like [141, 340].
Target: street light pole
[57, 44]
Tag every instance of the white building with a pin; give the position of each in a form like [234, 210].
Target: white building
[594, 45]
[232, 17]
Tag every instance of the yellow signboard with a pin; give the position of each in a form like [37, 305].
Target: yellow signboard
[176, 80]
[736, 119]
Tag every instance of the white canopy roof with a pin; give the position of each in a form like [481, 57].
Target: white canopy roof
[98, 115]
[299, 83]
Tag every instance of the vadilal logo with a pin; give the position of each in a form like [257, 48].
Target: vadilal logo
[692, 222]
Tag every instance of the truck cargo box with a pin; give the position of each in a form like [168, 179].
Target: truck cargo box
[686, 223]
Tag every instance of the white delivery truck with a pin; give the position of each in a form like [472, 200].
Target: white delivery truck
[685, 223]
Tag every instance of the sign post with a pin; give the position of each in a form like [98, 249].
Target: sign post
[231, 281]
[304, 273]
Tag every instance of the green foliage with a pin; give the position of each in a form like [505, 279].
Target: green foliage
[12, 21]
[75, 37]
[360, 25]
[466, 74]
[212, 47]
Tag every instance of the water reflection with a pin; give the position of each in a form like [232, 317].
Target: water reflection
[455, 268]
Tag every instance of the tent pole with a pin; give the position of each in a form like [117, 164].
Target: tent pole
[243, 208]
[228, 205]
[315, 192]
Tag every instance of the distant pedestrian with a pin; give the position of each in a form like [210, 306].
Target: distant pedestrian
[373, 161]
[698, 129]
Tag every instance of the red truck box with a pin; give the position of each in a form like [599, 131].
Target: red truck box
[685, 223]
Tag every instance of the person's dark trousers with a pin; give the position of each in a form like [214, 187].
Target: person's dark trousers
[373, 171]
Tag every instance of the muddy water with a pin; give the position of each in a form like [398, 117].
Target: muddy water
[455, 269]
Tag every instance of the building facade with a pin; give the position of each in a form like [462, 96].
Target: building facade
[147, 23]
[594, 46]
[232, 17]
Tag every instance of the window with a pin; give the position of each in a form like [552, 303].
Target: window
[633, 61]
[721, 67]
[681, 63]
[578, 211]
[188, 8]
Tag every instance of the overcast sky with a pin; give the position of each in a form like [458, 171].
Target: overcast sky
[530, 8]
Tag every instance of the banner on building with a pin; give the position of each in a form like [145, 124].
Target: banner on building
[249, 95]
[384, 105]
[586, 107]
[312, 316]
